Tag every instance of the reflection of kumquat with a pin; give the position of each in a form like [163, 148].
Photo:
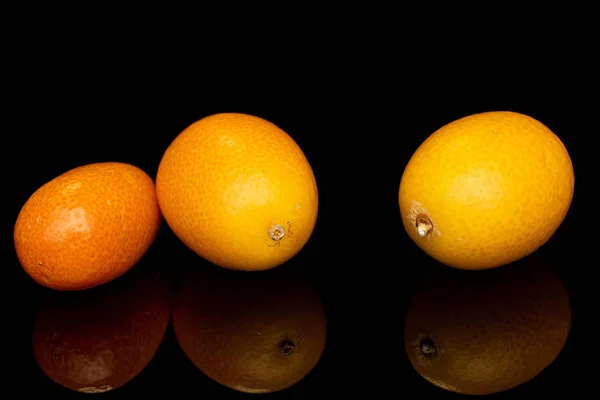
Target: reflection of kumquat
[252, 333]
[488, 331]
[99, 339]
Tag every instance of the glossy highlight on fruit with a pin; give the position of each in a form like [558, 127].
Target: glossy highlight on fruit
[87, 226]
[486, 190]
[238, 191]
[488, 331]
[251, 333]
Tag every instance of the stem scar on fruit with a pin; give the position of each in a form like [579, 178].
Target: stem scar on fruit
[422, 221]
[286, 347]
[426, 349]
[276, 232]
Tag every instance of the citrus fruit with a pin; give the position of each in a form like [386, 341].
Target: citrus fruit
[251, 333]
[486, 190]
[238, 191]
[489, 331]
[87, 226]
[97, 340]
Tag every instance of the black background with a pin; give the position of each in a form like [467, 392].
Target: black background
[357, 128]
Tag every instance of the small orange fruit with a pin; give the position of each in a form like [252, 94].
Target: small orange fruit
[87, 226]
[237, 190]
[486, 190]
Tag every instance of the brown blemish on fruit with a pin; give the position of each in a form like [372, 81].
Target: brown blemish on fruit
[276, 232]
[422, 221]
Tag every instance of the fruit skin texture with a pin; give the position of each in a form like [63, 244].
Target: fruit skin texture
[491, 330]
[97, 340]
[253, 334]
[495, 187]
[226, 180]
[87, 226]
